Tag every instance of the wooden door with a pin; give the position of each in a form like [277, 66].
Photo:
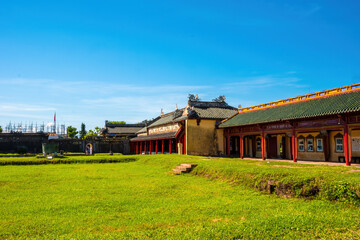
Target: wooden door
[272, 147]
[283, 147]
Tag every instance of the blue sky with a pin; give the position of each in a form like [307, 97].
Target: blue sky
[92, 61]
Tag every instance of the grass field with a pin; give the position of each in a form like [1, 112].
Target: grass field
[142, 199]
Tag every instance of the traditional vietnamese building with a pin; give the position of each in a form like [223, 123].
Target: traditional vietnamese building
[115, 130]
[190, 130]
[323, 126]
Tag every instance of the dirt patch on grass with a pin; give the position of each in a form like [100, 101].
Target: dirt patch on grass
[354, 170]
[220, 220]
[208, 159]
[286, 166]
[112, 229]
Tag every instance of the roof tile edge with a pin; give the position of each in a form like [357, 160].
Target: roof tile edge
[306, 97]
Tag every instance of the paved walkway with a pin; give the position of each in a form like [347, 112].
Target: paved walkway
[307, 162]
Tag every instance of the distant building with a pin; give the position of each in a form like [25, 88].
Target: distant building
[112, 130]
[190, 130]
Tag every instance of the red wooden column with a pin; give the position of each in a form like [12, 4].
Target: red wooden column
[140, 148]
[170, 146]
[228, 145]
[347, 149]
[241, 146]
[156, 147]
[150, 147]
[163, 146]
[145, 147]
[137, 148]
[294, 147]
[263, 145]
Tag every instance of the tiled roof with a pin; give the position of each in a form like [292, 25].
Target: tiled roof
[168, 118]
[197, 109]
[143, 130]
[109, 124]
[211, 113]
[155, 136]
[123, 130]
[333, 104]
[203, 104]
[210, 110]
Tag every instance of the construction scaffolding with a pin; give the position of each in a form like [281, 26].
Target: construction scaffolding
[30, 127]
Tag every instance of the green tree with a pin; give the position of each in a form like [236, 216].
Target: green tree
[97, 130]
[93, 133]
[0, 129]
[117, 122]
[71, 131]
[82, 131]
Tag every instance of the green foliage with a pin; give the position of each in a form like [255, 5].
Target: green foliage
[82, 132]
[97, 130]
[340, 191]
[68, 158]
[142, 200]
[117, 122]
[71, 131]
[1, 129]
[93, 133]
[288, 179]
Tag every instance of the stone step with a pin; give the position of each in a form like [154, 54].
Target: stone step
[184, 169]
[188, 165]
[176, 171]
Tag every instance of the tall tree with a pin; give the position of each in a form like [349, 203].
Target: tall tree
[0, 129]
[93, 133]
[82, 131]
[71, 131]
[117, 122]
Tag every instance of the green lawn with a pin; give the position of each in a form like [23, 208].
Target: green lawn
[142, 199]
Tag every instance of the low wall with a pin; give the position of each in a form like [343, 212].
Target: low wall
[32, 143]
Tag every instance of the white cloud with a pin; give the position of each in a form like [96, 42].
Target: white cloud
[106, 88]
[23, 107]
[264, 82]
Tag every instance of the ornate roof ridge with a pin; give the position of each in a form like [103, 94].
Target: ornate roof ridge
[303, 98]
